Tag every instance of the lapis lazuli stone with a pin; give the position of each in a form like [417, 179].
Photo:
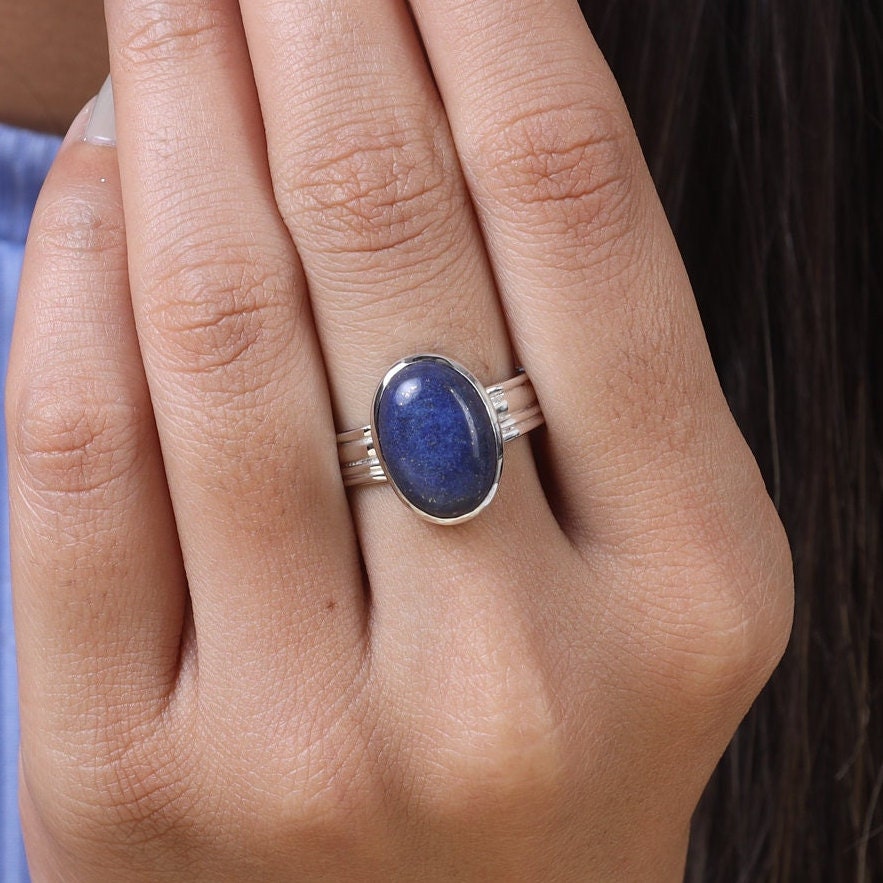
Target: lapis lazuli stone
[437, 438]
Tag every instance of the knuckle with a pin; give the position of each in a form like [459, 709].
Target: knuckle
[313, 783]
[732, 624]
[165, 31]
[562, 171]
[71, 226]
[497, 744]
[766, 595]
[375, 192]
[502, 769]
[329, 810]
[75, 437]
[144, 796]
[116, 786]
[221, 322]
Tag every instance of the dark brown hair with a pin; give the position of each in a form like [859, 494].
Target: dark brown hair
[763, 126]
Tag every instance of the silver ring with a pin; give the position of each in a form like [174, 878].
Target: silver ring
[437, 435]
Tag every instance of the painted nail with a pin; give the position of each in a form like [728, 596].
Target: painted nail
[101, 128]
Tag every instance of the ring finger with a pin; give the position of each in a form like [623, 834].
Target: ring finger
[369, 183]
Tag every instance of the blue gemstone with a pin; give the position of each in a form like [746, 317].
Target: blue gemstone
[437, 438]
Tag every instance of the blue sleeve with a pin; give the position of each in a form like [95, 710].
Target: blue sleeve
[25, 158]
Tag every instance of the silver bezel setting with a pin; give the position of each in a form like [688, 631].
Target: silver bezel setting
[492, 415]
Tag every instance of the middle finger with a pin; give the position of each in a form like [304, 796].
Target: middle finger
[369, 183]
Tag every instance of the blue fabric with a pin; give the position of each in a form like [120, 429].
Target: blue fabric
[25, 158]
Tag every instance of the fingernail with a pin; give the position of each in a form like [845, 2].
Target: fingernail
[101, 128]
[77, 130]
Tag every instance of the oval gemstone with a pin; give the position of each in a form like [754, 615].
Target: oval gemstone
[437, 438]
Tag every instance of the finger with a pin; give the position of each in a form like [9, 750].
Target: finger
[370, 187]
[368, 181]
[653, 480]
[98, 581]
[229, 351]
[601, 308]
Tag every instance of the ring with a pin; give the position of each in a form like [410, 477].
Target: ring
[437, 435]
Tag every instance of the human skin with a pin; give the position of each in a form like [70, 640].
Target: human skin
[213, 686]
[53, 56]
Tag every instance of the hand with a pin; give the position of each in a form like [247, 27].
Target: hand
[232, 669]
